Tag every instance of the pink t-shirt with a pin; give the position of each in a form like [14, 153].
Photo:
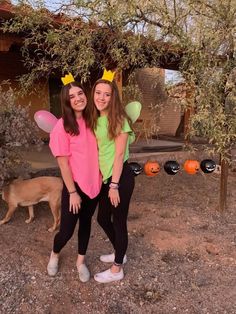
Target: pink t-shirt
[82, 155]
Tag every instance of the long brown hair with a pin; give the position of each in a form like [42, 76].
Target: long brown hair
[116, 111]
[68, 114]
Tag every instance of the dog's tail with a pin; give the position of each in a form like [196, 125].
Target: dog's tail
[5, 193]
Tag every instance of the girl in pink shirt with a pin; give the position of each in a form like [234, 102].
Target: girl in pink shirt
[74, 145]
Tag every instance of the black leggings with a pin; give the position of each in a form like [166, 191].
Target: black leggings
[112, 219]
[69, 220]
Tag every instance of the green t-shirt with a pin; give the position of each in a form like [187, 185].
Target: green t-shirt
[106, 147]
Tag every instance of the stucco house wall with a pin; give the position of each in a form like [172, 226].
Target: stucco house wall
[160, 114]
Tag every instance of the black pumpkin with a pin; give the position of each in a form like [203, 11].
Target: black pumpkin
[207, 165]
[137, 169]
[171, 167]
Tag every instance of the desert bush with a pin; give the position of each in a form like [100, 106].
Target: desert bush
[17, 131]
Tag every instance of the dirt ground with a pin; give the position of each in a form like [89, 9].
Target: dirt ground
[181, 255]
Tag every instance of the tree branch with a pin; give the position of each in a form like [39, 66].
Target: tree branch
[143, 17]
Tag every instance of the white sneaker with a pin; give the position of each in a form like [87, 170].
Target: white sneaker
[84, 274]
[108, 276]
[52, 267]
[109, 258]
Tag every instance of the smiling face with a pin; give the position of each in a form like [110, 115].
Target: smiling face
[208, 165]
[136, 168]
[151, 168]
[171, 167]
[191, 166]
[102, 97]
[78, 100]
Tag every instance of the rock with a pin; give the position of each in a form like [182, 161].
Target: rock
[212, 249]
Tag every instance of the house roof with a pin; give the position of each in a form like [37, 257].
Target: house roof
[6, 9]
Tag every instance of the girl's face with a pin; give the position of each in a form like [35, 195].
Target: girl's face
[78, 100]
[102, 97]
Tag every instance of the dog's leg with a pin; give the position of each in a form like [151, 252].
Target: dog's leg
[10, 212]
[55, 208]
[31, 214]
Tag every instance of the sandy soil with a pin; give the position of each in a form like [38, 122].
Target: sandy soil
[181, 255]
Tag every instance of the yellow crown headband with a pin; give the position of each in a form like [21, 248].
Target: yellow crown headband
[108, 75]
[67, 79]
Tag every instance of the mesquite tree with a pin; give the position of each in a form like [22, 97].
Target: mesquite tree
[197, 37]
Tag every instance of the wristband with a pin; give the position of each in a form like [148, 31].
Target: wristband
[72, 192]
[115, 183]
[114, 186]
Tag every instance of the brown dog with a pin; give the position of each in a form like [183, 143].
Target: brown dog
[30, 192]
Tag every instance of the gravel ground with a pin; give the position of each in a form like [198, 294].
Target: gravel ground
[181, 255]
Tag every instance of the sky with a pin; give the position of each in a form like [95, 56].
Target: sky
[54, 4]
[50, 4]
[172, 77]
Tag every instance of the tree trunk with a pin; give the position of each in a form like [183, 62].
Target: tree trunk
[223, 184]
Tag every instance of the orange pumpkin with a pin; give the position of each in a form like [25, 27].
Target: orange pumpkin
[151, 168]
[191, 166]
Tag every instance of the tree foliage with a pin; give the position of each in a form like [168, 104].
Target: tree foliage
[56, 44]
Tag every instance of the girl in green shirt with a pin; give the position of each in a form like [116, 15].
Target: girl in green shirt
[114, 133]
